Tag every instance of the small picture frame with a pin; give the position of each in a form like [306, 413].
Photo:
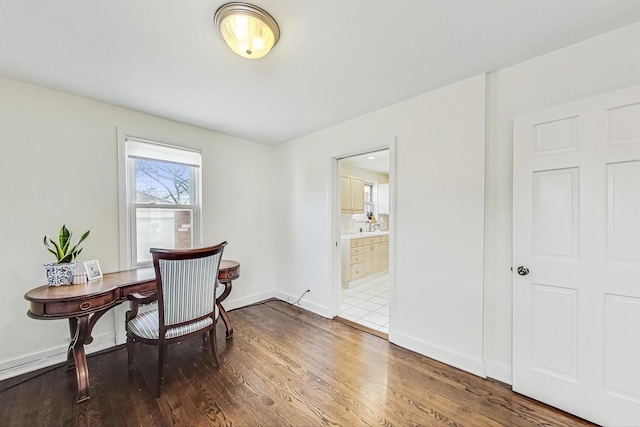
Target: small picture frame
[93, 269]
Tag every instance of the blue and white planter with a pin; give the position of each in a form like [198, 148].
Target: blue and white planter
[60, 274]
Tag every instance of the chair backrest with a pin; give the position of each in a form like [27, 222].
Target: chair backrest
[186, 283]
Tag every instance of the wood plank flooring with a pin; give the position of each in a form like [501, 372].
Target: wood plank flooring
[284, 367]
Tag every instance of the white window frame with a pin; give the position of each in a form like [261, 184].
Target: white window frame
[372, 203]
[131, 147]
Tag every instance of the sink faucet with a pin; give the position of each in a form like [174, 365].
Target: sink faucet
[374, 227]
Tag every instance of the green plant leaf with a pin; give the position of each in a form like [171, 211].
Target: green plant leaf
[84, 236]
[46, 245]
[65, 238]
[65, 259]
[75, 254]
[53, 252]
[73, 250]
[62, 249]
[58, 249]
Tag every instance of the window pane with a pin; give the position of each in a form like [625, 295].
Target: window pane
[159, 182]
[162, 228]
[368, 190]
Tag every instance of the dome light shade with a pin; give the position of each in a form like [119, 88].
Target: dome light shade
[247, 29]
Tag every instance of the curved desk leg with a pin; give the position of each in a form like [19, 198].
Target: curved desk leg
[82, 330]
[223, 312]
[73, 326]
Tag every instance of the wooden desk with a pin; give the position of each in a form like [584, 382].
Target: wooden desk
[86, 303]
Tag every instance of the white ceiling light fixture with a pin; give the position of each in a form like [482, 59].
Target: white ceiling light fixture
[247, 29]
[371, 158]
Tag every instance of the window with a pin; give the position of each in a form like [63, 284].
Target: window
[160, 206]
[368, 197]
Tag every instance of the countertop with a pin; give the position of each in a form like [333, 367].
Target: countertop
[364, 234]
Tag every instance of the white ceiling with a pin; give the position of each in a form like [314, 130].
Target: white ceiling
[380, 164]
[337, 59]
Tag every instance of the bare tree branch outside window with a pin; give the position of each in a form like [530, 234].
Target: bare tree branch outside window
[163, 180]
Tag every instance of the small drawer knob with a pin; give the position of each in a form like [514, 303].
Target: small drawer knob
[85, 305]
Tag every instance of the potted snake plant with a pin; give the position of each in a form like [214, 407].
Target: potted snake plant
[61, 272]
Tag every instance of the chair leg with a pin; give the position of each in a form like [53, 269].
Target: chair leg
[162, 350]
[214, 346]
[130, 342]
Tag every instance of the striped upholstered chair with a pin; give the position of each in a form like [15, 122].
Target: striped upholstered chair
[186, 292]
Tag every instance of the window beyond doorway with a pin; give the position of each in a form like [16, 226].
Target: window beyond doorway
[368, 197]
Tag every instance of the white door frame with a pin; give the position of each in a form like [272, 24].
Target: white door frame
[334, 209]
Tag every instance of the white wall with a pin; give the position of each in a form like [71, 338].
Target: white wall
[605, 63]
[58, 164]
[439, 211]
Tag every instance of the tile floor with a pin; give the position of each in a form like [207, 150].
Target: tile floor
[367, 304]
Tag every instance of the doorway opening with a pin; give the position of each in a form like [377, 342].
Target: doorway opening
[364, 212]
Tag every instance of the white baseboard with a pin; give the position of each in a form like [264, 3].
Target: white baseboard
[303, 303]
[498, 371]
[32, 362]
[457, 360]
[231, 304]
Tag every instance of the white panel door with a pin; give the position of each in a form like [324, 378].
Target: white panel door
[576, 257]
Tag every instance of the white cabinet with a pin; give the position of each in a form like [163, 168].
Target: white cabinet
[364, 257]
[384, 252]
[383, 199]
[357, 195]
[351, 195]
[345, 195]
[371, 259]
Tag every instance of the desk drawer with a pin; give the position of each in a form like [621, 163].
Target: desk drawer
[79, 306]
[228, 275]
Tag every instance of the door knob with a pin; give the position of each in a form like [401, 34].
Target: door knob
[522, 270]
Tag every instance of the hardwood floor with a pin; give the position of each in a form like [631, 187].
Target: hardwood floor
[284, 367]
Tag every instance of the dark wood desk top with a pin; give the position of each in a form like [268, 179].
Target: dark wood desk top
[60, 302]
[107, 283]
